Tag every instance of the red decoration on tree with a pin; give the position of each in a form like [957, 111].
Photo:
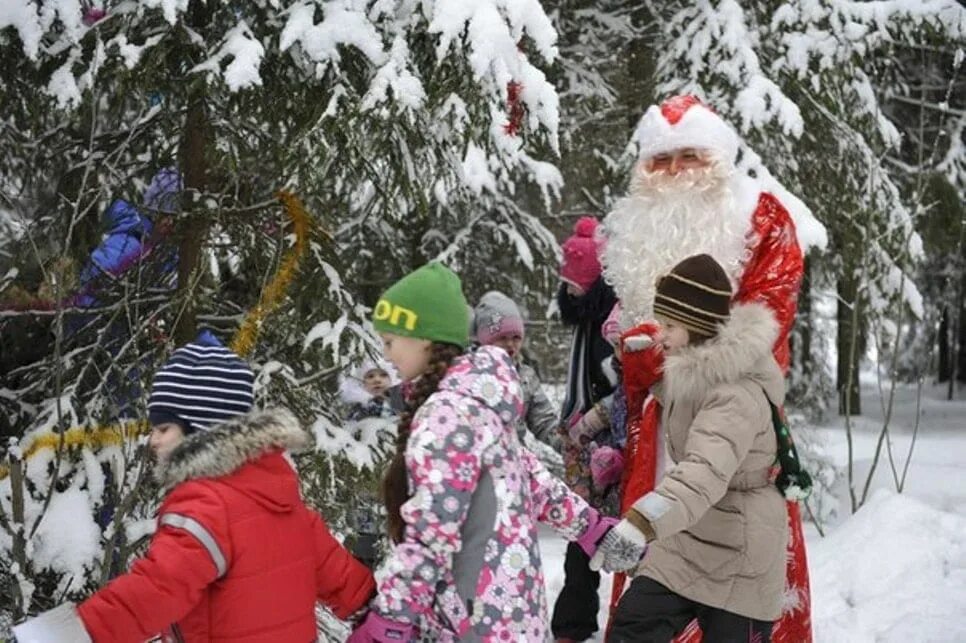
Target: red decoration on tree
[514, 108]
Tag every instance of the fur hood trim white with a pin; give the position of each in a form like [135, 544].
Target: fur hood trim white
[742, 348]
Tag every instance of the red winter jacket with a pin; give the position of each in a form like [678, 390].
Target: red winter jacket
[237, 556]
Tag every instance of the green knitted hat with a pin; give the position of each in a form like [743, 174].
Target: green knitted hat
[428, 304]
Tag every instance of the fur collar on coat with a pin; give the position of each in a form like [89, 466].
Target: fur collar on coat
[742, 349]
[226, 447]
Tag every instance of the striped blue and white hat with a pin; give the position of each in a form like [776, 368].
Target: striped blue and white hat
[202, 385]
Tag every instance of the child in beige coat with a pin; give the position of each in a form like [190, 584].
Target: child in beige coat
[715, 527]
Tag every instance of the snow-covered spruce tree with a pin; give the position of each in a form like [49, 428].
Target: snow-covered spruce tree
[402, 127]
[799, 80]
[605, 80]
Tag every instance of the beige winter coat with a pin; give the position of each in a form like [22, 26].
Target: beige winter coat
[720, 524]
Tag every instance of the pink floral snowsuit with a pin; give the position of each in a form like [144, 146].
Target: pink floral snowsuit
[469, 566]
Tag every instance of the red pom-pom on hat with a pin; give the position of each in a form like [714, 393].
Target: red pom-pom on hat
[585, 227]
[674, 108]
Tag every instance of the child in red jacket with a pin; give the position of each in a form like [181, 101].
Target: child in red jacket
[237, 555]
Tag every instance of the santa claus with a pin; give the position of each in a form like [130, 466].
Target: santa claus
[687, 197]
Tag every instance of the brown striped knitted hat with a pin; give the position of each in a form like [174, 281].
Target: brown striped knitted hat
[696, 294]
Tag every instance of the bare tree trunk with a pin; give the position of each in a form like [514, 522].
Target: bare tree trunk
[850, 347]
[957, 357]
[957, 319]
[805, 313]
[640, 66]
[194, 155]
[945, 368]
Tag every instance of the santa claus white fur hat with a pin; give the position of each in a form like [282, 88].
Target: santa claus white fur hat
[684, 121]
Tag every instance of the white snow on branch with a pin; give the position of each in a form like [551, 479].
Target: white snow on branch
[493, 30]
[68, 539]
[707, 35]
[130, 52]
[362, 443]
[246, 54]
[395, 75]
[170, 8]
[327, 332]
[22, 16]
[63, 85]
[476, 170]
[343, 25]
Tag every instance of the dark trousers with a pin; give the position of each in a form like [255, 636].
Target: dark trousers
[575, 613]
[651, 613]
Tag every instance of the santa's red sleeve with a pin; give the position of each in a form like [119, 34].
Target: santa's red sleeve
[773, 274]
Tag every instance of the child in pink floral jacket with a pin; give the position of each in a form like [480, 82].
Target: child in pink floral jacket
[464, 497]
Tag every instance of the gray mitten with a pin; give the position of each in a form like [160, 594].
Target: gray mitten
[620, 550]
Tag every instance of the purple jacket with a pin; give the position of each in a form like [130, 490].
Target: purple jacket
[469, 566]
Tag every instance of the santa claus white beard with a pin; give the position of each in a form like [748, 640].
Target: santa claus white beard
[664, 220]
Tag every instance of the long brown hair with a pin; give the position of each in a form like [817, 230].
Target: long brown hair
[395, 485]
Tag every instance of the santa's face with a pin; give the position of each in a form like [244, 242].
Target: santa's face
[676, 161]
[676, 207]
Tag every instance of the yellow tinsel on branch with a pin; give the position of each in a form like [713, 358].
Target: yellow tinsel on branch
[93, 438]
[274, 291]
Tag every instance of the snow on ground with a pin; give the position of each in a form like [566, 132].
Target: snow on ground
[896, 570]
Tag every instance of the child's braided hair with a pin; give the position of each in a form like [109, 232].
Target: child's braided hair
[395, 485]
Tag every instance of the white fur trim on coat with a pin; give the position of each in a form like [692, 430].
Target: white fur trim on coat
[742, 342]
[227, 446]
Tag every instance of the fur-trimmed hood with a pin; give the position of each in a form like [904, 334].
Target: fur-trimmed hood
[227, 447]
[742, 349]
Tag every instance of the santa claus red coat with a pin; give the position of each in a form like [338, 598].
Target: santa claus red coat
[765, 262]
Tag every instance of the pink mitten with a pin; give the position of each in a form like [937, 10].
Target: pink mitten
[377, 629]
[606, 466]
[597, 528]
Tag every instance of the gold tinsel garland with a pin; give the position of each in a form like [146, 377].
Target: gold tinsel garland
[242, 343]
[274, 292]
[81, 436]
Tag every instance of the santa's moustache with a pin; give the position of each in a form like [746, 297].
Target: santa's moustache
[664, 219]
